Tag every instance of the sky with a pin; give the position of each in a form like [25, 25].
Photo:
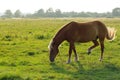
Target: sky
[30, 6]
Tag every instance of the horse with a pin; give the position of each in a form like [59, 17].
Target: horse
[81, 32]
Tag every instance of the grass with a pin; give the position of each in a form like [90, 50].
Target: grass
[24, 54]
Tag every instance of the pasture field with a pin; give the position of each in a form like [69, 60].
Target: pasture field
[24, 53]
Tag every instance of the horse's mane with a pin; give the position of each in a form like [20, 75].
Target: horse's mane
[50, 45]
[63, 28]
[59, 32]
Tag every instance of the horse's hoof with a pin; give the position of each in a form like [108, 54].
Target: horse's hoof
[76, 59]
[100, 60]
[68, 62]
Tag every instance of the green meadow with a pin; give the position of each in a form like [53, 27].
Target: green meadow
[24, 53]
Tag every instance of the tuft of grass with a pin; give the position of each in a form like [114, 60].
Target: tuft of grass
[31, 53]
[40, 37]
[7, 38]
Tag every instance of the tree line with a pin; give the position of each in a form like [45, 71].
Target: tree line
[41, 13]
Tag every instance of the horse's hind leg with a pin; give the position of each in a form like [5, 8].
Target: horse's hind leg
[102, 49]
[95, 45]
[76, 57]
[70, 52]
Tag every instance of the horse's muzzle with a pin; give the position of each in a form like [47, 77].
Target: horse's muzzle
[51, 60]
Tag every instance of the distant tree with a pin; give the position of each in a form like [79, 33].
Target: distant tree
[108, 15]
[29, 15]
[50, 13]
[58, 13]
[39, 13]
[8, 14]
[116, 12]
[17, 14]
[84, 14]
[50, 10]
[73, 14]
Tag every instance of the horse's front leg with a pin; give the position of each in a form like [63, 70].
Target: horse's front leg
[70, 52]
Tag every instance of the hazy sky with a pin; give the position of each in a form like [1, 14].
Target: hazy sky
[30, 6]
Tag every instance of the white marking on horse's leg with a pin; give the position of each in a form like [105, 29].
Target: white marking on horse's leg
[100, 59]
[68, 61]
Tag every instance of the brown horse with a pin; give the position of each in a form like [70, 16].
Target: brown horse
[81, 32]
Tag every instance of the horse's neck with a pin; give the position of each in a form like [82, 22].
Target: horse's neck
[59, 37]
[58, 40]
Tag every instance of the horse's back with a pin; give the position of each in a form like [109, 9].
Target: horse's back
[84, 32]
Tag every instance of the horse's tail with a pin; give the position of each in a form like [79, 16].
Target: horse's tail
[111, 33]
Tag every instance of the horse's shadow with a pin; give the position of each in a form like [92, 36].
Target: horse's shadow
[78, 66]
[109, 69]
[63, 70]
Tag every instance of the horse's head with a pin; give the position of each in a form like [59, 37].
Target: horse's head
[53, 51]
